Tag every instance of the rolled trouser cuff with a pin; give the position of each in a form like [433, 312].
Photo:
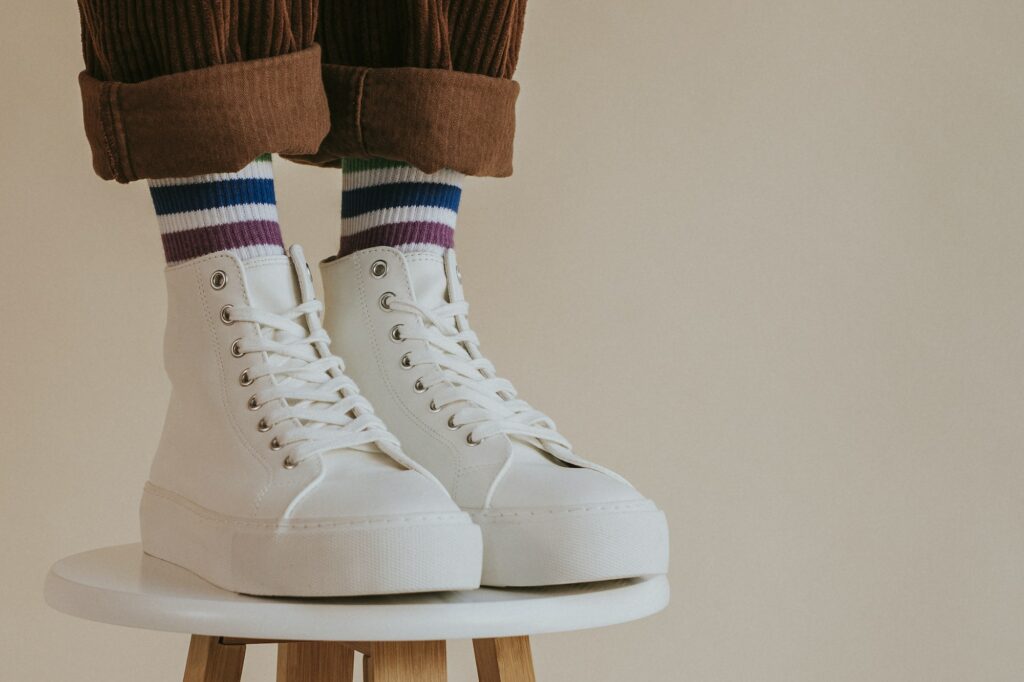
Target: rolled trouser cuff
[429, 118]
[210, 120]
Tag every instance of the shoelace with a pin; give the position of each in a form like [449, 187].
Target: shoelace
[488, 403]
[309, 395]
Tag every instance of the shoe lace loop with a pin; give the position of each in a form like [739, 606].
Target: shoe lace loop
[464, 377]
[314, 405]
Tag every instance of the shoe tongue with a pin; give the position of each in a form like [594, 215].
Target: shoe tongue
[272, 284]
[435, 281]
[276, 285]
[429, 283]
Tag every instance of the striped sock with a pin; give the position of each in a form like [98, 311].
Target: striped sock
[389, 203]
[233, 212]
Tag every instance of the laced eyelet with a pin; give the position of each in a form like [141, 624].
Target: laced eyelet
[470, 441]
[396, 333]
[379, 269]
[263, 426]
[433, 407]
[385, 300]
[218, 279]
[418, 386]
[275, 444]
[244, 379]
[289, 463]
[236, 351]
[225, 315]
[252, 404]
[406, 361]
[452, 425]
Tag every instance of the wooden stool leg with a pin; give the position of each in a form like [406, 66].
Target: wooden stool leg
[314, 662]
[505, 659]
[405, 662]
[210, 661]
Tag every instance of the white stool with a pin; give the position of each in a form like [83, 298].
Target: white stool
[401, 637]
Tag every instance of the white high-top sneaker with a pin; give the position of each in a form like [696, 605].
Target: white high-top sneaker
[273, 475]
[548, 516]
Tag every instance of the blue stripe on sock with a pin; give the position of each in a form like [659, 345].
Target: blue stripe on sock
[204, 195]
[355, 202]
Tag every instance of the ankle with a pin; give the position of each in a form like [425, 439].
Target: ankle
[205, 214]
[389, 203]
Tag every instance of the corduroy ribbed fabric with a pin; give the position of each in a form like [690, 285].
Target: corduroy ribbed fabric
[429, 118]
[472, 36]
[211, 120]
[134, 40]
[427, 82]
[175, 88]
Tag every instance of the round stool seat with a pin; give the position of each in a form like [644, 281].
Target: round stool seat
[123, 586]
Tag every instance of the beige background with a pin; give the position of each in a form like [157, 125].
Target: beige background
[765, 258]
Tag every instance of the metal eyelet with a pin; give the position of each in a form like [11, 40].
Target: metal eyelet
[218, 279]
[405, 362]
[396, 333]
[385, 300]
[252, 404]
[470, 441]
[433, 407]
[263, 426]
[236, 351]
[225, 314]
[275, 444]
[418, 386]
[452, 425]
[289, 463]
[379, 269]
[244, 378]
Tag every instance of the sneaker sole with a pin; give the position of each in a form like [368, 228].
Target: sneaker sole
[314, 558]
[530, 547]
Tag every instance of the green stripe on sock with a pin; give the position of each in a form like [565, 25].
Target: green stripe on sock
[356, 165]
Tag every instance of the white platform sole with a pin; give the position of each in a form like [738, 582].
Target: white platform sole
[529, 547]
[325, 558]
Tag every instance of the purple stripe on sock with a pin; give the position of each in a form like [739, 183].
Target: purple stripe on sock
[396, 234]
[187, 244]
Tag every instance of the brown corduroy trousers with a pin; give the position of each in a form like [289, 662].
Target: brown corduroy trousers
[174, 88]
